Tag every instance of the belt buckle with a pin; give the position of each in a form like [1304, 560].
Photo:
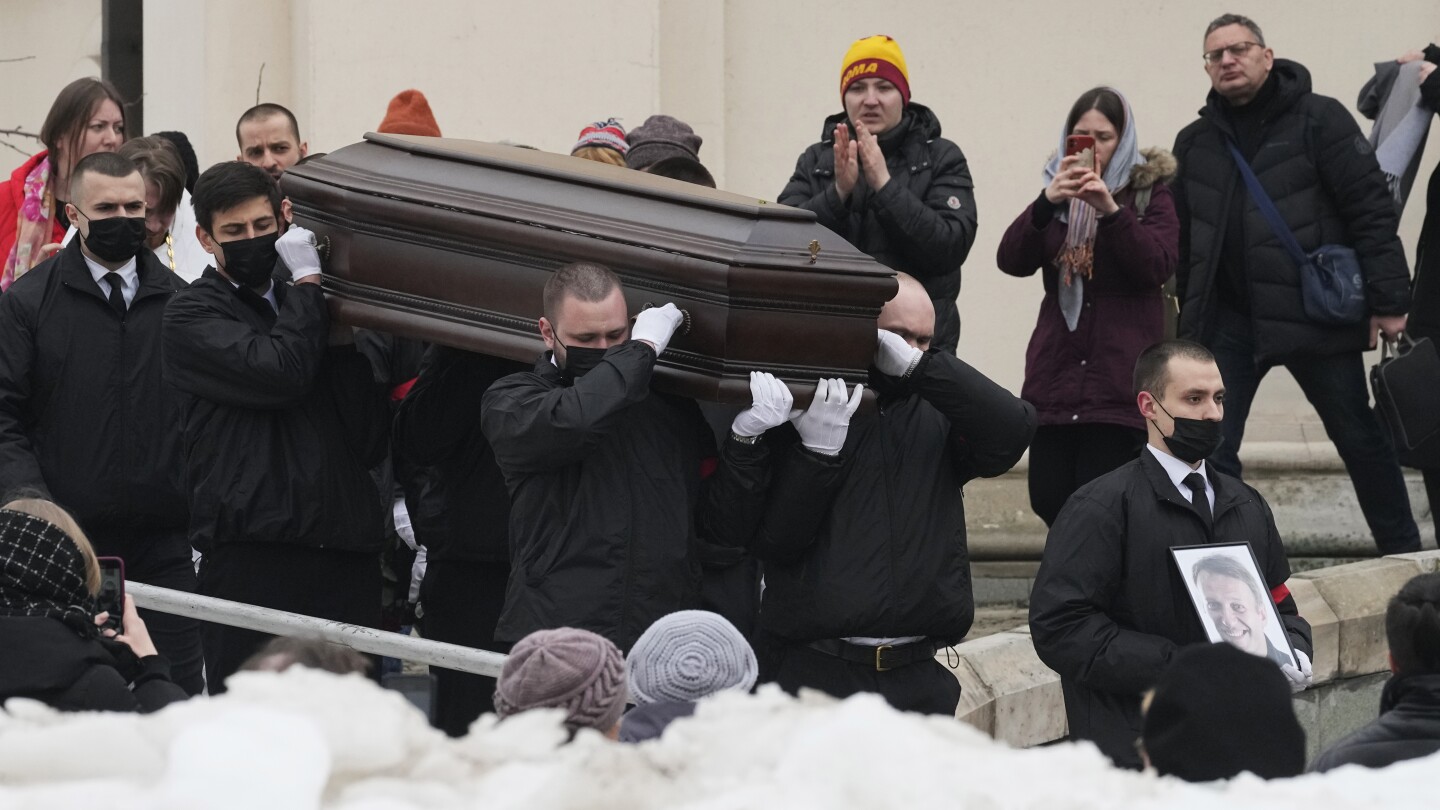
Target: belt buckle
[878, 650]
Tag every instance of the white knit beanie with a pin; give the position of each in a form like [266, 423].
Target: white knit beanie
[689, 655]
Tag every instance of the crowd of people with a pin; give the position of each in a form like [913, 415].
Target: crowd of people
[175, 393]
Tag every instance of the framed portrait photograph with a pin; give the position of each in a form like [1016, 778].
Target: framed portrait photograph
[1232, 599]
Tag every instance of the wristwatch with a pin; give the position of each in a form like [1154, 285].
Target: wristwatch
[744, 439]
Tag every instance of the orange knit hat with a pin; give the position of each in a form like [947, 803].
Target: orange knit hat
[876, 57]
[409, 114]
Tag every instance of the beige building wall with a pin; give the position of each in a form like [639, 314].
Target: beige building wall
[755, 77]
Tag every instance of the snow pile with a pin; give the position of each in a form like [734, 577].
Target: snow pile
[307, 739]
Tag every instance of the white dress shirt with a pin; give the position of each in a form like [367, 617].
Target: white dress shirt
[130, 279]
[1178, 470]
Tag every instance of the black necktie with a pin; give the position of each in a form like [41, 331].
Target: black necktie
[117, 297]
[1196, 482]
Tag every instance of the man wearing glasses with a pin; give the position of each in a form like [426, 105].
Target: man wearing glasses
[1239, 288]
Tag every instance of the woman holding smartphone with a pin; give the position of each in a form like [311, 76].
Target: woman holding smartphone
[58, 649]
[1105, 237]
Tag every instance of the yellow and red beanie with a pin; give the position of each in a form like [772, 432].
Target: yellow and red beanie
[876, 57]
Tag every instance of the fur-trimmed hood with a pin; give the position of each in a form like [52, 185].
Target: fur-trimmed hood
[1159, 167]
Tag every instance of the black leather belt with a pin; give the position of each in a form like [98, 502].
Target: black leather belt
[884, 657]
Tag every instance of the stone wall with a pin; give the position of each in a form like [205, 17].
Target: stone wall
[1012, 696]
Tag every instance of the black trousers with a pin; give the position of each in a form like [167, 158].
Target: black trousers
[1064, 458]
[925, 686]
[462, 602]
[342, 586]
[1335, 386]
[163, 560]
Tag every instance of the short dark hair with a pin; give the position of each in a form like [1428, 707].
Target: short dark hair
[682, 168]
[323, 655]
[229, 184]
[266, 110]
[1225, 20]
[586, 281]
[187, 156]
[159, 161]
[70, 113]
[1105, 100]
[1223, 565]
[1412, 626]
[1152, 369]
[109, 164]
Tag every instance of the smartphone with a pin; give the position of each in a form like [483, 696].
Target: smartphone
[112, 592]
[1084, 146]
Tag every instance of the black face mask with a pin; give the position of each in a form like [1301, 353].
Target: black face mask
[116, 239]
[1193, 440]
[579, 360]
[251, 262]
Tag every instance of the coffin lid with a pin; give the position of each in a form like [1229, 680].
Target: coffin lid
[755, 232]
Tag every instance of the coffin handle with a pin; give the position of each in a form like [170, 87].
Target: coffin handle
[684, 328]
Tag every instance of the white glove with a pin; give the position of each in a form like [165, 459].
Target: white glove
[770, 402]
[1302, 677]
[822, 427]
[894, 357]
[297, 249]
[656, 326]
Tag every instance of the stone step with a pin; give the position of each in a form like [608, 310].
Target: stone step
[1312, 498]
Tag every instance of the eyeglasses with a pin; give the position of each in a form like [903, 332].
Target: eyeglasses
[1237, 50]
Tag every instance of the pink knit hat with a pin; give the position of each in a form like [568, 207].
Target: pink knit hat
[564, 668]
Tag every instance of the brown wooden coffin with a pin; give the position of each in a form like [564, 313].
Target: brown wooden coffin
[452, 241]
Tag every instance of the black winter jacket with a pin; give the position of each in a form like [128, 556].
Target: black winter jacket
[872, 542]
[279, 432]
[47, 661]
[1109, 607]
[1408, 727]
[464, 511]
[922, 222]
[1322, 175]
[84, 413]
[608, 519]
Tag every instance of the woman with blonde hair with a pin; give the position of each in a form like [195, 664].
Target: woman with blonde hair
[55, 651]
[602, 142]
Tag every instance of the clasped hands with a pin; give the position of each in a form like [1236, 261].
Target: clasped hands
[854, 155]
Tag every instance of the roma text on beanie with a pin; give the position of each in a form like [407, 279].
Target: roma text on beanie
[876, 57]
[409, 114]
[565, 668]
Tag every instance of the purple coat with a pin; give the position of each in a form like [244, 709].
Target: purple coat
[1085, 376]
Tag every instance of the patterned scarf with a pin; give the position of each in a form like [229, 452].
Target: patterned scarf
[42, 573]
[33, 224]
[1076, 259]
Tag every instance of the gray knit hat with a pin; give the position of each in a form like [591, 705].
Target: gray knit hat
[565, 668]
[660, 137]
[689, 655]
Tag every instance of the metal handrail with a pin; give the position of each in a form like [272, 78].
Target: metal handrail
[284, 623]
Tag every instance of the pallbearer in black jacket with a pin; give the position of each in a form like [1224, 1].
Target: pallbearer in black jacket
[604, 474]
[1109, 608]
[866, 564]
[84, 414]
[280, 431]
